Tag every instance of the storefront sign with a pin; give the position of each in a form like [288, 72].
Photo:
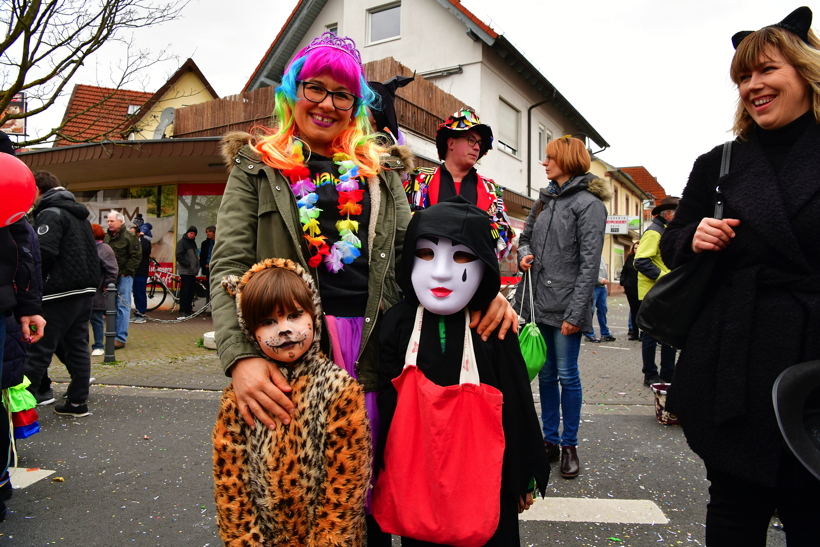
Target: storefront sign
[621, 224]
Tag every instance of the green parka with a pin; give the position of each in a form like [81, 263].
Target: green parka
[259, 219]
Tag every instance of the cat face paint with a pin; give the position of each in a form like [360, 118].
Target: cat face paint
[445, 276]
[286, 336]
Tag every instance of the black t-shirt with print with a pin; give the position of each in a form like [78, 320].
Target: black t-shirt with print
[344, 294]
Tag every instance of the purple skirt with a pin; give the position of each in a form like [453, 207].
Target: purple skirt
[346, 340]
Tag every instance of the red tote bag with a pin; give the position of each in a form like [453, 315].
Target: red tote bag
[443, 456]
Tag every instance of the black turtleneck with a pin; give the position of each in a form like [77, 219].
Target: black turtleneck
[777, 143]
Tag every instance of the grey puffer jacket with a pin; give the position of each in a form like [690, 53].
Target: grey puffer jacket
[565, 234]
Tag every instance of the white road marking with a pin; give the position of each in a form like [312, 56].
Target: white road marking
[23, 478]
[595, 510]
[614, 347]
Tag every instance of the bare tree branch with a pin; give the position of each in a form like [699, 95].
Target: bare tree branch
[48, 41]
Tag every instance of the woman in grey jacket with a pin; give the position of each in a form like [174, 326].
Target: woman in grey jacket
[561, 247]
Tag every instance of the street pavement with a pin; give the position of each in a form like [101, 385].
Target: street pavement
[138, 470]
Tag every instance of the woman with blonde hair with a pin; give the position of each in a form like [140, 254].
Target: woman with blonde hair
[764, 315]
[561, 248]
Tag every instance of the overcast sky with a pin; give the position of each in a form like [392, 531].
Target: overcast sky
[650, 76]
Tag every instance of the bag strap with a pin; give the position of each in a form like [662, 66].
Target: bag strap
[532, 307]
[469, 370]
[725, 160]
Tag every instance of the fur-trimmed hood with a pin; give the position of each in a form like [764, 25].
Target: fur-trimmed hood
[397, 158]
[589, 182]
[234, 285]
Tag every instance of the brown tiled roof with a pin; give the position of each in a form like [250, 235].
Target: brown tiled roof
[647, 183]
[99, 113]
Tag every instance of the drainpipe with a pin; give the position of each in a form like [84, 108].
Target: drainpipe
[529, 139]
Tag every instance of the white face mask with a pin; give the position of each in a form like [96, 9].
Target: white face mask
[445, 276]
[286, 336]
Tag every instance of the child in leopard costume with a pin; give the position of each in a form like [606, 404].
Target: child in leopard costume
[302, 484]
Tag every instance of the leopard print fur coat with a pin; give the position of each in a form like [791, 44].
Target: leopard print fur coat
[302, 484]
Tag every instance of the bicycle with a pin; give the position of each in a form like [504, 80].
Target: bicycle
[163, 282]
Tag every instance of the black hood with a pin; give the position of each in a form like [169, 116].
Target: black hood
[464, 223]
[62, 199]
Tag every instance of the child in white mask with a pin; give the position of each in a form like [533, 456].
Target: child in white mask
[449, 267]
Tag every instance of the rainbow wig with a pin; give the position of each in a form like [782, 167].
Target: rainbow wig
[356, 141]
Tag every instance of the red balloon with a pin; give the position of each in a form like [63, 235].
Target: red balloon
[17, 189]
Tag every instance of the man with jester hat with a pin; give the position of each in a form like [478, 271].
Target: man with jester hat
[461, 141]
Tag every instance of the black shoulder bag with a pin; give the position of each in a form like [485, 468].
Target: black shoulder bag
[673, 304]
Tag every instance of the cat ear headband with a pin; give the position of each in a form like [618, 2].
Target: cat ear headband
[797, 22]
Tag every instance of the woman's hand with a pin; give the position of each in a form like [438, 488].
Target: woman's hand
[525, 502]
[713, 234]
[260, 391]
[568, 328]
[498, 310]
[526, 263]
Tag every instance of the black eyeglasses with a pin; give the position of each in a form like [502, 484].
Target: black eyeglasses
[472, 141]
[315, 93]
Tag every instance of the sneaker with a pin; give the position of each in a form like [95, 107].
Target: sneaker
[608, 338]
[68, 409]
[140, 320]
[45, 398]
[591, 338]
[97, 352]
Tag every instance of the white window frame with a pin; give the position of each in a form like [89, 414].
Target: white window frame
[379, 9]
[508, 148]
[542, 143]
[332, 27]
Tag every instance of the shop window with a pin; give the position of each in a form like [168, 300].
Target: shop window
[384, 23]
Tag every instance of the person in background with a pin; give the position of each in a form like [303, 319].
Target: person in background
[461, 141]
[205, 251]
[108, 269]
[764, 313]
[629, 281]
[599, 297]
[128, 251]
[71, 274]
[569, 216]
[141, 274]
[187, 268]
[650, 265]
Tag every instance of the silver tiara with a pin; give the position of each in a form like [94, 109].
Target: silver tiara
[342, 43]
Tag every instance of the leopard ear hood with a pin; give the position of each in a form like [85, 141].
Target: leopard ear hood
[234, 285]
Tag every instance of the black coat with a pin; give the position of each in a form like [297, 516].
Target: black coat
[629, 277]
[765, 313]
[70, 263]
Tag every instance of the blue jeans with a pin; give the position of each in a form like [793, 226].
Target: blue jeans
[140, 298]
[124, 285]
[561, 366]
[599, 303]
[650, 369]
[98, 327]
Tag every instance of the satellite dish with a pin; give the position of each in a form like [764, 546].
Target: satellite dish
[165, 119]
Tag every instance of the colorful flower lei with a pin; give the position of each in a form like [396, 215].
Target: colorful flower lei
[346, 250]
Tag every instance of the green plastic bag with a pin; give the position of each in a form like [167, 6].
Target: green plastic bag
[533, 346]
[19, 398]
